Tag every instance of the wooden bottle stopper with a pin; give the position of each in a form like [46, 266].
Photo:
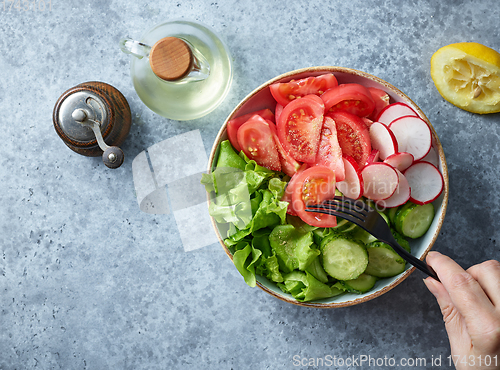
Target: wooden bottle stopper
[171, 59]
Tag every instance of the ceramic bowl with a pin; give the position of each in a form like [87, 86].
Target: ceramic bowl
[261, 98]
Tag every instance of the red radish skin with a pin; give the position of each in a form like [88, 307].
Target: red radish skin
[400, 161]
[373, 157]
[394, 111]
[383, 140]
[352, 186]
[400, 196]
[413, 135]
[380, 181]
[426, 182]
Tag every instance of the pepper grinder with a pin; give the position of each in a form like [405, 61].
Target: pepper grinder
[93, 118]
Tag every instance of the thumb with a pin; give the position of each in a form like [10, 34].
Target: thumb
[458, 335]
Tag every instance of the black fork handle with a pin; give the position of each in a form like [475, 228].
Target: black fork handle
[421, 265]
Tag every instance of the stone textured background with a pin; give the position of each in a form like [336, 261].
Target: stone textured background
[87, 281]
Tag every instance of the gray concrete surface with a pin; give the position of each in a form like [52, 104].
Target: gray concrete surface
[88, 281]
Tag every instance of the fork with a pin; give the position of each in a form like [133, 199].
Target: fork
[361, 214]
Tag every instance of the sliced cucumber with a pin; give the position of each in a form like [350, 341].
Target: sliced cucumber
[401, 240]
[414, 221]
[360, 285]
[343, 258]
[383, 261]
[391, 213]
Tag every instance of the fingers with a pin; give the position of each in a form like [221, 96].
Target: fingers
[454, 322]
[487, 275]
[465, 293]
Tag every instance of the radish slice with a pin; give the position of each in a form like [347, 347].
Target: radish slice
[394, 111]
[352, 186]
[400, 196]
[373, 157]
[413, 135]
[380, 180]
[400, 161]
[426, 182]
[432, 157]
[383, 140]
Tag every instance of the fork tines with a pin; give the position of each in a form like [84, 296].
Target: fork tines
[347, 208]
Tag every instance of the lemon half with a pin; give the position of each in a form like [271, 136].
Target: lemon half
[467, 74]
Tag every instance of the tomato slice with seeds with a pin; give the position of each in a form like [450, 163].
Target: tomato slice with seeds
[299, 127]
[329, 151]
[287, 196]
[234, 124]
[313, 186]
[352, 98]
[289, 166]
[256, 140]
[285, 92]
[353, 136]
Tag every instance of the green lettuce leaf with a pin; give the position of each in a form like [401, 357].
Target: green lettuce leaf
[245, 259]
[304, 287]
[293, 247]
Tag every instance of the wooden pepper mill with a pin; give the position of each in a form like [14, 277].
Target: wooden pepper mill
[93, 118]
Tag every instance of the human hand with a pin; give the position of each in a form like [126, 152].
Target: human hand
[470, 304]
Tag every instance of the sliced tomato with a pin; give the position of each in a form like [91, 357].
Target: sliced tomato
[287, 196]
[285, 92]
[299, 127]
[353, 136]
[234, 124]
[313, 186]
[352, 98]
[381, 99]
[277, 111]
[289, 165]
[329, 151]
[256, 140]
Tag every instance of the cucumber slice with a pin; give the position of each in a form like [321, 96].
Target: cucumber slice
[391, 213]
[360, 285]
[383, 261]
[415, 220]
[399, 212]
[401, 240]
[343, 258]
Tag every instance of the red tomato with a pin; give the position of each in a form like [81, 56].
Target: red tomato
[381, 99]
[352, 98]
[277, 111]
[234, 124]
[299, 127]
[285, 92]
[288, 165]
[287, 196]
[353, 136]
[256, 140]
[313, 186]
[329, 151]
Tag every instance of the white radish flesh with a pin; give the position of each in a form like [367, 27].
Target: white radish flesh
[426, 182]
[432, 157]
[352, 185]
[413, 135]
[380, 181]
[400, 196]
[400, 161]
[394, 111]
[383, 140]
